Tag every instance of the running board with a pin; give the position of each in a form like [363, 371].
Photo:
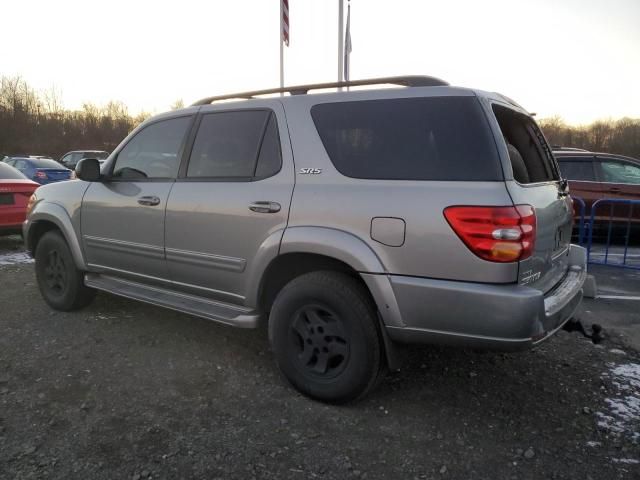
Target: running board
[226, 313]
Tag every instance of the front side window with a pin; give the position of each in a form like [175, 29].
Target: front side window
[154, 152]
[620, 172]
[580, 170]
[234, 145]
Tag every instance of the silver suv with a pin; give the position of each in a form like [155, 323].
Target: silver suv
[348, 222]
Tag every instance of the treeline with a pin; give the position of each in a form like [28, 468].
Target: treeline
[612, 136]
[36, 123]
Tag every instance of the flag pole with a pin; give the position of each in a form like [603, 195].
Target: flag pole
[281, 42]
[340, 41]
[346, 65]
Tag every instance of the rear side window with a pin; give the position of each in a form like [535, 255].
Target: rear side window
[434, 138]
[236, 144]
[577, 169]
[531, 158]
[613, 171]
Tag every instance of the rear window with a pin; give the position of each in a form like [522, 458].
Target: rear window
[7, 172]
[44, 163]
[434, 138]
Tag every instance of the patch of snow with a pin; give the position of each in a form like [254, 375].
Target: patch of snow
[13, 258]
[617, 351]
[628, 461]
[629, 372]
[623, 413]
[591, 443]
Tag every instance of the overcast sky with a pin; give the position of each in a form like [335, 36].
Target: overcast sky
[579, 59]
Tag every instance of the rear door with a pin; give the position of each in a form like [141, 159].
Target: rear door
[230, 200]
[536, 182]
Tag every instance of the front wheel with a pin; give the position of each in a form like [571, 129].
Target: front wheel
[61, 283]
[324, 332]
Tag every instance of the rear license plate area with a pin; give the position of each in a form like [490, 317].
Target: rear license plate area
[6, 199]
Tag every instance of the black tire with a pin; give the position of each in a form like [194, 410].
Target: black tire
[61, 283]
[324, 332]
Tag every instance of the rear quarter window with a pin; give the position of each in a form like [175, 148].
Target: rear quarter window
[580, 169]
[432, 138]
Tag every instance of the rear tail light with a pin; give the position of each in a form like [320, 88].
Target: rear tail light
[41, 174]
[497, 234]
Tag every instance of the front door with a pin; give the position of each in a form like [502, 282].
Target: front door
[122, 218]
[231, 199]
[621, 181]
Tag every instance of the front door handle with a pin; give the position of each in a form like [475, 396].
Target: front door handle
[149, 201]
[614, 189]
[264, 207]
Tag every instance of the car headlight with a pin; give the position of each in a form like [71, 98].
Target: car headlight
[32, 202]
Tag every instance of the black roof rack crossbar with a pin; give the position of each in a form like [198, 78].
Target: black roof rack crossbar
[407, 81]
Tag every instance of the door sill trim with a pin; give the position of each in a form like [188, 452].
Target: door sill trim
[221, 312]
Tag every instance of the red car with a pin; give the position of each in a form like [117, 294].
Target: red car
[15, 190]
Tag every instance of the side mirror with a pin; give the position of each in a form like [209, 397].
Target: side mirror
[88, 169]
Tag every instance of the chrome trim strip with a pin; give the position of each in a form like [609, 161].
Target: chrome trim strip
[123, 246]
[165, 280]
[126, 272]
[206, 260]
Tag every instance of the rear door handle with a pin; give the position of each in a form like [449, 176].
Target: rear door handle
[264, 207]
[614, 189]
[149, 201]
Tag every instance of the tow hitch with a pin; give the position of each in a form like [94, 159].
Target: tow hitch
[575, 325]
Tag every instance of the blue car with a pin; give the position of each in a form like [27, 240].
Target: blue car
[41, 170]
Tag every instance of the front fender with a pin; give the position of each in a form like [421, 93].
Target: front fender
[53, 213]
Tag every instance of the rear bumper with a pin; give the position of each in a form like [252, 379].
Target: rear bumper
[502, 317]
[11, 219]
[11, 229]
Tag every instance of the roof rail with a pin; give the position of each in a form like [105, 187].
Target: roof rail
[407, 81]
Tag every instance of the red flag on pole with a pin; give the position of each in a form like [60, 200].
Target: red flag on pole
[285, 22]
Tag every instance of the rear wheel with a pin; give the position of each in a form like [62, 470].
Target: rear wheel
[61, 283]
[324, 332]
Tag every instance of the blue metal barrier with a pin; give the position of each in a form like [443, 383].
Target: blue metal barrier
[583, 208]
[611, 202]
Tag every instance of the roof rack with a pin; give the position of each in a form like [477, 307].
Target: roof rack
[560, 148]
[407, 81]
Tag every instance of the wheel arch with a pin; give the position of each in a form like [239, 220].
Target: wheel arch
[304, 249]
[47, 217]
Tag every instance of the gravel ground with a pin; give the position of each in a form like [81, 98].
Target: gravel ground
[126, 390]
